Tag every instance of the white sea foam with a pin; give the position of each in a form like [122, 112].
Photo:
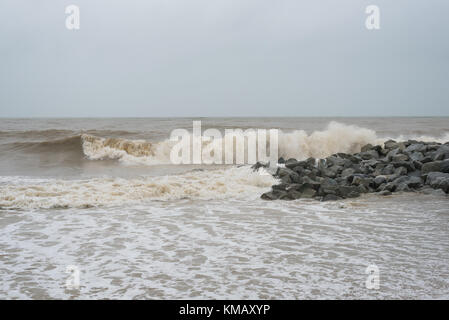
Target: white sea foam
[229, 183]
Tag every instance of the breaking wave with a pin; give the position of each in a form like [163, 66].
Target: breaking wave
[336, 137]
[229, 183]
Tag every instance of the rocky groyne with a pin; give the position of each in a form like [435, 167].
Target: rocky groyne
[407, 166]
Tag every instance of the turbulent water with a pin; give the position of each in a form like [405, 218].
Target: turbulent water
[102, 195]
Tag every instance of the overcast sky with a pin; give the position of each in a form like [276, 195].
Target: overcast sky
[195, 58]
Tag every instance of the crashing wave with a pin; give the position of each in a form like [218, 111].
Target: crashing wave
[229, 183]
[298, 144]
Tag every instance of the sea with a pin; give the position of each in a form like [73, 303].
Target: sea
[95, 209]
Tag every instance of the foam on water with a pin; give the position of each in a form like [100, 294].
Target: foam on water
[230, 249]
[229, 183]
[206, 233]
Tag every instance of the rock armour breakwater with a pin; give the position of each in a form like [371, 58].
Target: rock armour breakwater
[407, 166]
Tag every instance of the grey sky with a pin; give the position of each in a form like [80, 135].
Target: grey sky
[224, 58]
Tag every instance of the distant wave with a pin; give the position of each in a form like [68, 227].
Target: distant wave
[336, 137]
[34, 135]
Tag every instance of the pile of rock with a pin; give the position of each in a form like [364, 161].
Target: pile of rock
[398, 166]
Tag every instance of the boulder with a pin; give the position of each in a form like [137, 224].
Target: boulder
[347, 172]
[274, 195]
[291, 163]
[348, 191]
[379, 180]
[307, 192]
[416, 147]
[390, 144]
[436, 166]
[366, 147]
[400, 157]
[328, 186]
[438, 180]
[441, 153]
[330, 172]
[410, 182]
[281, 186]
[260, 164]
[371, 154]
[400, 171]
[416, 156]
[361, 180]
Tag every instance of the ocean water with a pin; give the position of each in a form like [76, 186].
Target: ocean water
[102, 195]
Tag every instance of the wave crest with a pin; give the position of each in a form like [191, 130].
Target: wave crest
[336, 137]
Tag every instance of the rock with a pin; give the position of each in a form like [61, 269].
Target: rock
[274, 195]
[417, 164]
[416, 156]
[391, 177]
[360, 180]
[281, 160]
[366, 147]
[436, 166]
[286, 172]
[399, 157]
[330, 172]
[436, 192]
[410, 182]
[331, 197]
[392, 153]
[385, 193]
[416, 147]
[442, 153]
[371, 154]
[406, 164]
[414, 182]
[438, 180]
[291, 163]
[400, 171]
[379, 180]
[259, 164]
[390, 186]
[390, 144]
[300, 170]
[328, 186]
[307, 192]
[294, 195]
[347, 172]
[444, 167]
[337, 161]
[389, 169]
[427, 158]
[416, 173]
[403, 188]
[281, 186]
[348, 191]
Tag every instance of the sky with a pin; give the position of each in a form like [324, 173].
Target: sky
[224, 58]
